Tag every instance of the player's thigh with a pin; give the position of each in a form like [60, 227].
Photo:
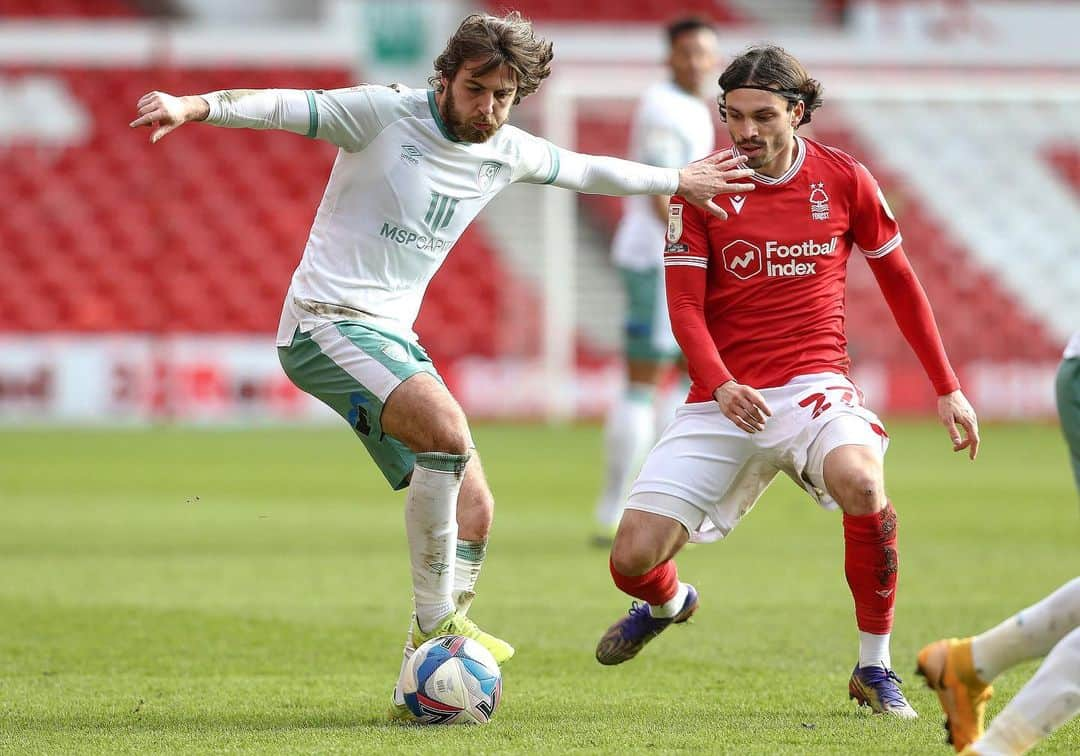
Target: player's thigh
[353, 369]
[707, 463]
[424, 415]
[647, 334]
[846, 462]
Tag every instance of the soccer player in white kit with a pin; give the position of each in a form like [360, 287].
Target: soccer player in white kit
[672, 126]
[414, 168]
[757, 304]
[961, 670]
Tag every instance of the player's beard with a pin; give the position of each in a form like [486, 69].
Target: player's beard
[461, 129]
[761, 157]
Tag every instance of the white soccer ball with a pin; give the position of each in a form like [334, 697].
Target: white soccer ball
[452, 680]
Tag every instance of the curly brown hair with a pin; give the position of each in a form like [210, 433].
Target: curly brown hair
[495, 42]
[775, 70]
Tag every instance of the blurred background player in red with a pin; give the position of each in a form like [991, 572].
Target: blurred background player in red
[672, 126]
[757, 305]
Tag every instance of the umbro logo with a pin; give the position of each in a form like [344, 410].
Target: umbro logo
[411, 154]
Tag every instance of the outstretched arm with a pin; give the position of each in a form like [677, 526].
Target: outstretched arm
[345, 117]
[698, 182]
[285, 109]
[911, 309]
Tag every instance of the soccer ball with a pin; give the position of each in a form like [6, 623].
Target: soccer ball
[452, 680]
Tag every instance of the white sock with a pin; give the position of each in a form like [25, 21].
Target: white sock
[431, 527]
[469, 559]
[629, 435]
[406, 654]
[874, 649]
[672, 606]
[1048, 700]
[669, 401]
[1028, 634]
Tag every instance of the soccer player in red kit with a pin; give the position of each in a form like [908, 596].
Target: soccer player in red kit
[757, 305]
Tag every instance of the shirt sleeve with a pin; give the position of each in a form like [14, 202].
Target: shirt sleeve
[873, 225]
[348, 118]
[686, 262]
[541, 162]
[911, 308]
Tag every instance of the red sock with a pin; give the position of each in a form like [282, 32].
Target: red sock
[870, 563]
[656, 586]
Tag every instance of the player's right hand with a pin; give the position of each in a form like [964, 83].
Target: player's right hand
[699, 182]
[164, 113]
[743, 406]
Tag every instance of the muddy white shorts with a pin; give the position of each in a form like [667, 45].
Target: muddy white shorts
[710, 473]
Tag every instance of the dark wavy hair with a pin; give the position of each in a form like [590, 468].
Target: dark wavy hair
[496, 42]
[775, 70]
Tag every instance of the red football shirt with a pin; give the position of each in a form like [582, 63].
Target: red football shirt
[775, 270]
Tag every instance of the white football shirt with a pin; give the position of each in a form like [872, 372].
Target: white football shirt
[670, 129]
[401, 193]
[1072, 349]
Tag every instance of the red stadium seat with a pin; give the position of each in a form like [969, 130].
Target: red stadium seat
[200, 233]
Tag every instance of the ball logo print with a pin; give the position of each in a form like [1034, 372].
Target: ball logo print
[452, 680]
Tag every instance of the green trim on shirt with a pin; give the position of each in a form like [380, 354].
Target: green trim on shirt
[554, 165]
[313, 116]
[438, 118]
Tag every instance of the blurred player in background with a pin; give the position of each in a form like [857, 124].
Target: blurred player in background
[1068, 401]
[757, 305]
[672, 126]
[961, 671]
[414, 168]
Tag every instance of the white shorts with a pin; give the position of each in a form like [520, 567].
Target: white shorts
[710, 473]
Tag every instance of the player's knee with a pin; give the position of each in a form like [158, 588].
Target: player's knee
[859, 491]
[630, 561]
[634, 553]
[449, 438]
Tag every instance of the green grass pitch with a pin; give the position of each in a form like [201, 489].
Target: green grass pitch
[247, 591]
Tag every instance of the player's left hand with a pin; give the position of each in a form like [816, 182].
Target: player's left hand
[699, 182]
[955, 410]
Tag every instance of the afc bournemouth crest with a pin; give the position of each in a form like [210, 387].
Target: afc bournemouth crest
[819, 202]
[674, 223]
[489, 169]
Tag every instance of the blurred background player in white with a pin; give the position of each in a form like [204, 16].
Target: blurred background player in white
[961, 671]
[414, 168]
[672, 126]
[757, 304]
